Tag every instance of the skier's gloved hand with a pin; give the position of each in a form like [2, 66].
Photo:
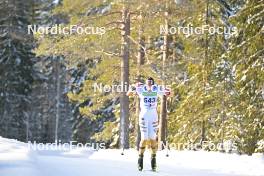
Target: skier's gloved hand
[133, 88]
[167, 92]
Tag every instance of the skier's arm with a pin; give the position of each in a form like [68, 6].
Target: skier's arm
[167, 92]
[164, 91]
[135, 89]
[131, 93]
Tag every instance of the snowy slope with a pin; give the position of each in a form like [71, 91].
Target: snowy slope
[16, 159]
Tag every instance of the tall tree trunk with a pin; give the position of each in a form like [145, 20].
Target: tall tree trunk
[163, 108]
[124, 101]
[58, 87]
[140, 62]
[27, 128]
[203, 122]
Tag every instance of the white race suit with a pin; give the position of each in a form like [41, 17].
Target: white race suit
[148, 117]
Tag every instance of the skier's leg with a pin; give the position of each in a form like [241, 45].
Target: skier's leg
[142, 146]
[140, 162]
[153, 141]
[153, 162]
[143, 124]
[153, 133]
[143, 142]
[154, 146]
[143, 134]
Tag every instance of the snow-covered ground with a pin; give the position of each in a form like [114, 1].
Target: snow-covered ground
[17, 159]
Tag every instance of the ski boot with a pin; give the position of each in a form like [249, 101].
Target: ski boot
[153, 163]
[140, 162]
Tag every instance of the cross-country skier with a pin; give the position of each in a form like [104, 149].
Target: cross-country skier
[148, 117]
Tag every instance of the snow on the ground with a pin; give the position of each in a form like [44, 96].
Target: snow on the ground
[17, 159]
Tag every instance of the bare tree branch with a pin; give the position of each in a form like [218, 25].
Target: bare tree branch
[114, 22]
[116, 12]
[141, 46]
[113, 28]
[109, 53]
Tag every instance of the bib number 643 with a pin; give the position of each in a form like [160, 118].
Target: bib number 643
[149, 100]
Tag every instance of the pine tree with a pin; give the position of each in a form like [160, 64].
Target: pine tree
[50, 111]
[16, 69]
[201, 107]
[246, 52]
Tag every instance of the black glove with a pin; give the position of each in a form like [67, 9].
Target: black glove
[133, 88]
